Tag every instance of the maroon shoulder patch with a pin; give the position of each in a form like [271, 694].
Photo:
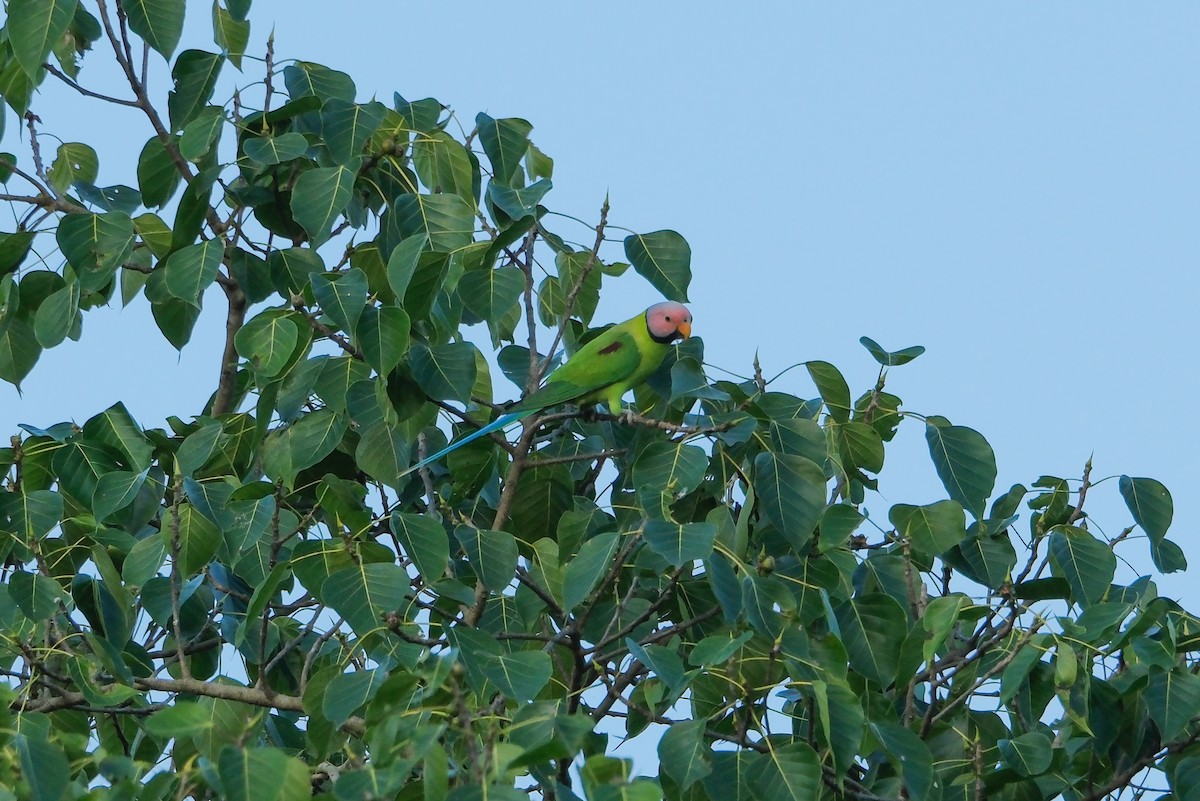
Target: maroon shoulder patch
[613, 348]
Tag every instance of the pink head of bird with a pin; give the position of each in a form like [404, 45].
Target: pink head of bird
[669, 321]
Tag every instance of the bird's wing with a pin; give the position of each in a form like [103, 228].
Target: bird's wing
[611, 357]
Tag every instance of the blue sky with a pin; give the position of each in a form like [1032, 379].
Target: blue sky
[1014, 186]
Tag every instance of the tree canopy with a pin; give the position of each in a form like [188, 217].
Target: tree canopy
[255, 602]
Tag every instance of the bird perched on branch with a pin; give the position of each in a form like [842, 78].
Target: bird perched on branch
[602, 371]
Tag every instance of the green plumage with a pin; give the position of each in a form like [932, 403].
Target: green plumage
[603, 370]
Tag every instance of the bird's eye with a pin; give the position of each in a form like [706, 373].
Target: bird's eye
[668, 318]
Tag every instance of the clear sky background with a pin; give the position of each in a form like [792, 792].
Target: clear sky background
[1015, 186]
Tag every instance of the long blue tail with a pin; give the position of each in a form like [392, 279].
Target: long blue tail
[503, 421]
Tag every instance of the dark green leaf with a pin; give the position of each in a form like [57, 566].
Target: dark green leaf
[383, 335]
[302, 444]
[791, 495]
[934, 528]
[182, 719]
[873, 628]
[670, 467]
[342, 296]
[965, 463]
[1029, 755]
[159, 22]
[447, 221]
[518, 203]
[425, 542]
[663, 258]
[319, 197]
[521, 675]
[490, 293]
[1087, 564]
[44, 766]
[347, 126]
[1173, 698]
[789, 773]
[34, 27]
[57, 316]
[262, 774]
[678, 543]
[267, 342]
[910, 755]
[193, 269]
[275, 149]
[306, 78]
[894, 358]
[195, 75]
[201, 133]
[347, 692]
[158, 177]
[505, 142]
[444, 165]
[683, 754]
[95, 245]
[36, 595]
[492, 554]
[1150, 504]
[445, 372]
[833, 388]
[584, 571]
[230, 34]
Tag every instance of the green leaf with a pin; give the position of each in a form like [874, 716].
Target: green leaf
[36, 595]
[310, 439]
[670, 467]
[873, 628]
[1150, 504]
[197, 448]
[19, 350]
[425, 542]
[180, 720]
[1029, 755]
[678, 543]
[348, 692]
[910, 755]
[789, 773]
[447, 221]
[202, 133]
[195, 75]
[342, 296]
[492, 554]
[521, 675]
[34, 27]
[683, 754]
[791, 495]
[584, 571]
[115, 491]
[267, 342]
[319, 197]
[1087, 564]
[983, 558]
[57, 316]
[933, 528]
[518, 203]
[663, 258]
[490, 293]
[663, 662]
[347, 127]
[363, 594]
[157, 175]
[505, 142]
[964, 461]
[262, 774]
[383, 335]
[159, 22]
[230, 34]
[833, 388]
[199, 538]
[30, 515]
[306, 78]
[14, 248]
[275, 149]
[383, 452]
[44, 766]
[444, 165]
[1173, 699]
[893, 358]
[402, 264]
[95, 245]
[445, 372]
[79, 465]
[193, 269]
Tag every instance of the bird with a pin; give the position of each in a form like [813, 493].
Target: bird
[602, 371]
